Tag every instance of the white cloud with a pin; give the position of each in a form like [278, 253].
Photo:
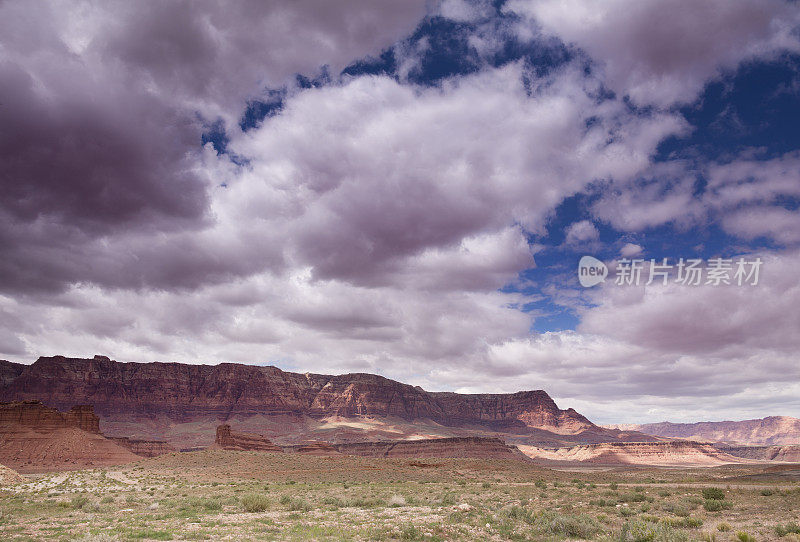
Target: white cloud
[630, 250]
[662, 52]
[581, 233]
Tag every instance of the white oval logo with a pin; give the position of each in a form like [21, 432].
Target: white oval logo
[591, 271]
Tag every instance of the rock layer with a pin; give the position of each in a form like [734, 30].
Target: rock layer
[36, 438]
[790, 454]
[456, 447]
[667, 453]
[143, 447]
[35, 415]
[183, 392]
[228, 439]
[772, 430]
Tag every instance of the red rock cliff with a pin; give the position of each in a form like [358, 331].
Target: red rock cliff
[183, 391]
[37, 416]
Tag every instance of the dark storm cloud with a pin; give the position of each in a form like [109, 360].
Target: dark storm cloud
[102, 107]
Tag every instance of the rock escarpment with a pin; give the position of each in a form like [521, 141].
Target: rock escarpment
[666, 453]
[772, 430]
[790, 454]
[35, 415]
[143, 447]
[455, 447]
[183, 392]
[228, 439]
[36, 438]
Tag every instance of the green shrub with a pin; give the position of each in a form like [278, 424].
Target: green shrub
[577, 526]
[766, 492]
[723, 527]
[715, 506]
[742, 536]
[713, 493]
[783, 530]
[641, 531]
[79, 501]
[254, 502]
[541, 484]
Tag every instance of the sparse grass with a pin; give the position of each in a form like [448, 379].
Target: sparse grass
[250, 496]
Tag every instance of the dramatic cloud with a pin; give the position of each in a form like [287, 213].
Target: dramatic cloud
[384, 219]
[102, 107]
[661, 52]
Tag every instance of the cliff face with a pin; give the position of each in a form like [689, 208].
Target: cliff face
[35, 415]
[773, 430]
[228, 439]
[667, 453]
[36, 438]
[143, 448]
[456, 447]
[789, 454]
[182, 392]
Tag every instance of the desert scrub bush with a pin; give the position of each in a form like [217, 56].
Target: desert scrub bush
[766, 492]
[541, 484]
[602, 502]
[409, 532]
[520, 514]
[108, 499]
[78, 501]
[723, 527]
[205, 503]
[675, 508]
[789, 528]
[712, 505]
[642, 531]
[575, 526]
[743, 536]
[708, 537]
[627, 512]
[254, 502]
[613, 485]
[713, 493]
[633, 497]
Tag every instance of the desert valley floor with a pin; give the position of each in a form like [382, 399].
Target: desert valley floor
[247, 495]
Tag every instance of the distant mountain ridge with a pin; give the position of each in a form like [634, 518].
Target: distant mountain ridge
[772, 430]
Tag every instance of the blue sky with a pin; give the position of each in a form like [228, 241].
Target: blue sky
[406, 189]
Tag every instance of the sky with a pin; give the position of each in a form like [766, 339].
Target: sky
[406, 188]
